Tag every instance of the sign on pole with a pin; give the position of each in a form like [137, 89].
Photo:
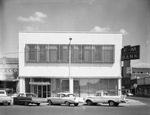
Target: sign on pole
[128, 70]
[130, 53]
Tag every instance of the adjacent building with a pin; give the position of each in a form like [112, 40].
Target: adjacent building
[140, 81]
[9, 74]
[52, 62]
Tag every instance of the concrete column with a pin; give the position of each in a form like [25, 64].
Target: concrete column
[71, 85]
[119, 86]
[22, 85]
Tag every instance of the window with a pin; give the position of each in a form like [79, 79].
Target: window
[53, 53]
[89, 86]
[31, 53]
[42, 53]
[2, 92]
[108, 52]
[64, 53]
[97, 53]
[76, 53]
[87, 53]
[65, 85]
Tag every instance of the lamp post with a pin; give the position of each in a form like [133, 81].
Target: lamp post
[70, 78]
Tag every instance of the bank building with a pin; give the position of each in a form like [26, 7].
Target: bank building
[81, 63]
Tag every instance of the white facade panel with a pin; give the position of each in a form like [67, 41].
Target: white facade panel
[58, 70]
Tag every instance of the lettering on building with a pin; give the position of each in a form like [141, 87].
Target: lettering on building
[130, 53]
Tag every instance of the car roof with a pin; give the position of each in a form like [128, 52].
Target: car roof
[26, 93]
[66, 93]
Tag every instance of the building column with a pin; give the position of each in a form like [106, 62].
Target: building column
[119, 86]
[71, 85]
[22, 85]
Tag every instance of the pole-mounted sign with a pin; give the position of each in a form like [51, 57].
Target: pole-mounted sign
[130, 53]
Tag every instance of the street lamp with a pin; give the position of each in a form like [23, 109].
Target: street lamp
[70, 79]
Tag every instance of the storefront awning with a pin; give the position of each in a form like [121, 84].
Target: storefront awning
[39, 83]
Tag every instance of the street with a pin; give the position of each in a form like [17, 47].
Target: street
[133, 107]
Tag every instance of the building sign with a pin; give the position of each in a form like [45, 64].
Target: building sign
[128, 70]
[130, 53]
[5, 60]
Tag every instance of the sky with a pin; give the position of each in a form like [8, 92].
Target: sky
[128, 17]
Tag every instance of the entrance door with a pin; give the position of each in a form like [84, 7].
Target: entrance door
[39, 91]
[43, 91]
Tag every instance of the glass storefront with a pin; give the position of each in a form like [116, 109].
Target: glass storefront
[87, 87]
[40, 86]
[46, 87]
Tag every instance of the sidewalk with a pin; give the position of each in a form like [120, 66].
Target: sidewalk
[139, 98]
[136, 100]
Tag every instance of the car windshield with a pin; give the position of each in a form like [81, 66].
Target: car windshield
[70, 95]
[31, 95]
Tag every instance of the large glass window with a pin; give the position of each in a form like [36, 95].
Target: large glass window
[53, 53]
[87, 53]
[97, 53]
[64, 53]
[108, 51]
[86, 87]
[31, 53]
[60, 85]
[76, 53]
[60, 53]
[42, 53]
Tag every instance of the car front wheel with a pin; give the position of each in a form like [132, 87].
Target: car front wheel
[89, 102]
[67, 103]
[50, 102]
[38, 104]
[116, 104]
[111, 103]
[76, 104]
[5, 103]
[26, 104]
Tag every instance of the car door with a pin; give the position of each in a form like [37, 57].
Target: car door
[98, 98]
[61, 99]
[57, 99]
[19, 99]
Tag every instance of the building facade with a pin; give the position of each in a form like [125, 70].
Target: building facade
[9, 74]
[140, 81]
[51, 62]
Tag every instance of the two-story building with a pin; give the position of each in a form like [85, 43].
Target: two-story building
[52, 62]
[9, 74]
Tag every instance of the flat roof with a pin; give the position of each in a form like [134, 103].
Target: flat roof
[84, 32]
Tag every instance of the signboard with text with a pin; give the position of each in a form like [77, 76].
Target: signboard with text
[130, 53]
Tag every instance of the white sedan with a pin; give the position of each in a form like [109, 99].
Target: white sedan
[64, 98]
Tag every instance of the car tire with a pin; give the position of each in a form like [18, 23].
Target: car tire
[67, 103]
[111, 103]
[38, 104]
[5, 103]
[89, 102]
[76, 104]
[26, 103]
[50, 102]
[116, 104]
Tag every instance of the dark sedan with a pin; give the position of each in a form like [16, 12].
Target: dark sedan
[26, 99]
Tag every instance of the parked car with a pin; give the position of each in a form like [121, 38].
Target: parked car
[4, 98]
[104, 97]
[26, 99]
[129, 94]
[65, 98]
